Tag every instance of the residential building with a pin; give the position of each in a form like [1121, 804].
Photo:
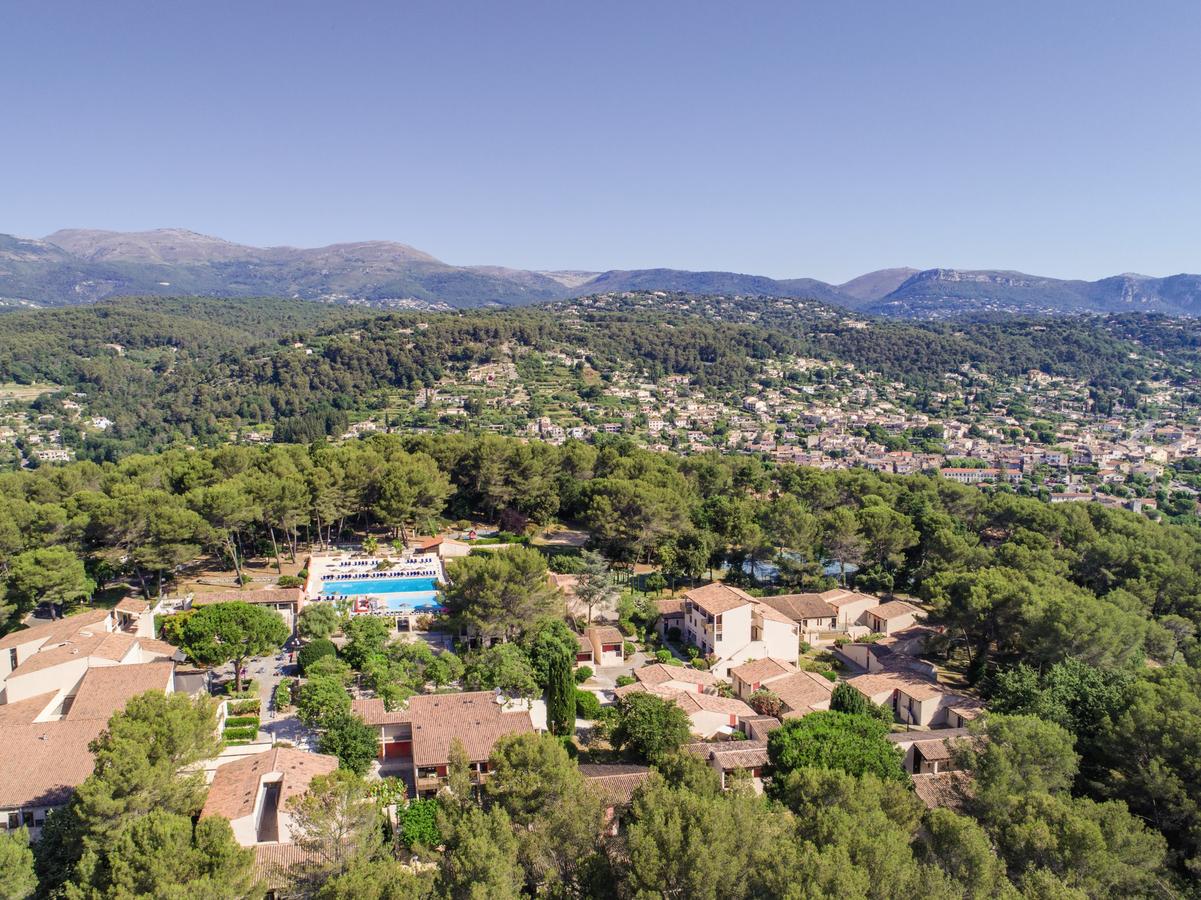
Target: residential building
[816, 619]
[730, 757]
[253, 792]
[928, 752]
[285, 601]
[891, 617]
[615, 784]
[732, 626]
[418, 739]
[44, 749]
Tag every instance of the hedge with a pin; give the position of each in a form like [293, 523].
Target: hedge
[587, 706]
[241, 722]
[235, 734]
[244, 707]
[582, 674]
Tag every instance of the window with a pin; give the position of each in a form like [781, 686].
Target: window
[12, 658]
[14, 821]
[27, 819]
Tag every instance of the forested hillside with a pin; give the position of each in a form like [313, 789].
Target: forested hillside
[1083, 616]
[192, 370]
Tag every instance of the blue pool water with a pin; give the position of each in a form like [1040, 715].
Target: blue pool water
[377, 586]
[402, 596]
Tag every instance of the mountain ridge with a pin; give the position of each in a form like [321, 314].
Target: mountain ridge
[79, 265]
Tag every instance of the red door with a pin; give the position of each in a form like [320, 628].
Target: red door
[402, 749]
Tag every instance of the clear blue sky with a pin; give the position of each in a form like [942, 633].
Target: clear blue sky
[786, 139]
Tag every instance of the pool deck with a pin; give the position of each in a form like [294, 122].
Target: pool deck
[356, 567]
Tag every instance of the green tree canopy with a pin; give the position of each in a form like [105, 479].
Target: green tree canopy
[835, 740]
[233, 632]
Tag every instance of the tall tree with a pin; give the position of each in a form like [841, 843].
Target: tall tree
[233, 632]
[499, 594]
[650, 726]
[835, 740]
[560, 695]
[18, 879]
[336, 823]
[52, 574]
[595, 586]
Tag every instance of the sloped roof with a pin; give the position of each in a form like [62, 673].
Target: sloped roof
[373, 712]
[616, 782]
[58, 630]
[266, 595]
[730, 755]
[658, 673]
[717, 598]
[801, 606]
[762, 669]
[942, 789]
[670, 607]
[235, 787]
[41, 764]
[475, 718]
[894, 609]
[802, 692]
[690, 702]
[132, 605]
[106, 689]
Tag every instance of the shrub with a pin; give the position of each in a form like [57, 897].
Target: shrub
[628, 649]
[582, 674]
[623, 680]
[244, 707]
[626, 627]
[587, 706]
[313, 651]
[303, 575]
[417, 824]
[235, 722]
[673, 634]
[240, 742]
[701, 663]
[806, 646]
[236, 734]
[290, 581]
[829, 676]
[663, 656]
[569, 745]
[283, 694]
[693, 651]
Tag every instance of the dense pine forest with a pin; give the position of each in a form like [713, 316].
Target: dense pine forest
[1083, 616]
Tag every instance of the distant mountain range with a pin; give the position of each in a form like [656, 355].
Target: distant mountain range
[81, 266]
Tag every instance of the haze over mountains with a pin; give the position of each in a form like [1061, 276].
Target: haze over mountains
[76, 266]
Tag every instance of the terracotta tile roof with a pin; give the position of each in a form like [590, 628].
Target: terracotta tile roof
[666, 691]
[969, 710]
[266, 595]
[935, 734]
[430, 544]
[772, 614]
[690, 702]
[115, 646]
[106, 689]
[41, 764]
[933, 750]
[801, 606]
[23, 712]
[615, 783]
[132, 605]
[730, 755]
[762, 669]
[658, 673]
[606, 634]
[79, 648]
[717, 598]
[373, 712]
[475, 718]
[272, 862]
[584, 644]
[945, 789]
[235, 786]
[875, 684]
[58, 630]
[156, 648]
[565, 583]
[894, 609]
[839, 597]
[802, 693]
[759, 727]
[670, 607]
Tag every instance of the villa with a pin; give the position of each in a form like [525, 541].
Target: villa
[731, 625]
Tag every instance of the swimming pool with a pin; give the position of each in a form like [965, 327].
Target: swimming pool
[394, 596]
[376, 586]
